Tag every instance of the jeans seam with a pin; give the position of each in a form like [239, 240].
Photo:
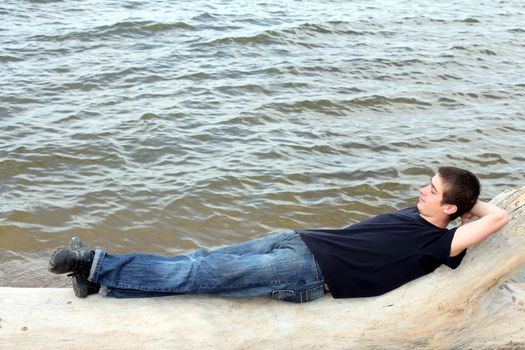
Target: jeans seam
[178, 290]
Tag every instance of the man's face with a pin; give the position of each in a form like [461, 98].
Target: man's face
[430, 197]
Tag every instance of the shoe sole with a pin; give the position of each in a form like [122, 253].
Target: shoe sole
[81, 291]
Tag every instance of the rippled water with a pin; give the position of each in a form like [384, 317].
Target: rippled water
[161, 126]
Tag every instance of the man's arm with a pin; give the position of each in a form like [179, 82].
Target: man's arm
[491, 219]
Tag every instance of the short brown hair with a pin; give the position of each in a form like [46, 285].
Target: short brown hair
[461, 188]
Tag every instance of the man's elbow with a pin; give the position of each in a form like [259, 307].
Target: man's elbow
[503, 217]
[506, 217]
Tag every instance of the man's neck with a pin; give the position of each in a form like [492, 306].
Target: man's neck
[441, 222]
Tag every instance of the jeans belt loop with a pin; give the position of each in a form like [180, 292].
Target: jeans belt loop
[304, 296]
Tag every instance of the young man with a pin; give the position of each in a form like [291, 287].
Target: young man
[365, 259]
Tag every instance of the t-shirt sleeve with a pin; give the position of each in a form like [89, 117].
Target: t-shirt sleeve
[439, 251]
[453, 261]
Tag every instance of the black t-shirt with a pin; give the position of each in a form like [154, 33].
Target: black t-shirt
[377, 255]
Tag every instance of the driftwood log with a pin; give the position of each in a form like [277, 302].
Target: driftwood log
[468, 308]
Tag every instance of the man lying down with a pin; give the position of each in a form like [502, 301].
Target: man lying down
[365, 259]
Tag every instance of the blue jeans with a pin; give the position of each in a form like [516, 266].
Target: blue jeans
[279, 265]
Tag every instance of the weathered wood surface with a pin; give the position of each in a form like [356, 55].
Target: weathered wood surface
[467, 308]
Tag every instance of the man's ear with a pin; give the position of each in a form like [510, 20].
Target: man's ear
[450, 209]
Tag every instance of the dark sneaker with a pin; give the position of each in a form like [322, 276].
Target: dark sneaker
[75, 258]
[82, 286]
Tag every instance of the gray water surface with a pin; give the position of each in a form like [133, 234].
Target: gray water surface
[161, 126]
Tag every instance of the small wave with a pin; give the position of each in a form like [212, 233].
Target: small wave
[509, 128]
[437, 20]
[144, 28]
[149, 116]
[320, 149]
[449, 102]
[484, 160]
[332, 27]
[265, 38]
[20, 100]
[322, 105]
[99, 80]
[81, 86]
[44, 1]
[204, 17]
[488, 52]
[7, 58]
[354, 145]
[309, 28]
[402, 145]
[448, 77]
[419, 170]
[398, 63]
[251, 120]
[446, 100]
[14, 167]
[493, 97]
[298, 35]
[194, 76]
[488, 159]
[241, 89]
[377, 100]
[467, 94]
[373, 192]
[340, 106]
[21, 216]
[72, 118]
[469, 20]
[140, 28]
[311, 70]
